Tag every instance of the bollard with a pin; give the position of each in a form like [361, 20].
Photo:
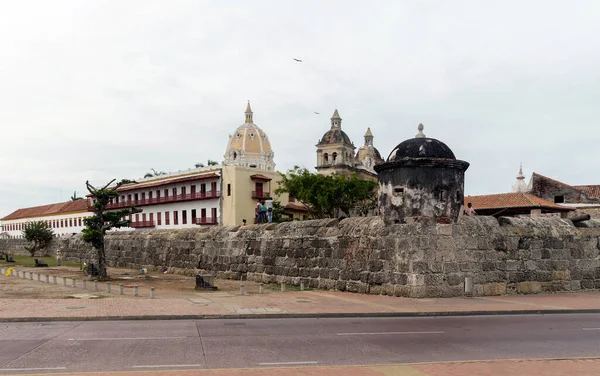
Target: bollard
[241, 289]
[282, 287]
[301, 285]
[95, 285]
[84, 284]
[54, 279]
[260, 288]
[74, 282]
[469, 285]
[39, 277]
[24, 275]
[151, 292]
[31, 276]
[64, 280]
[135, 291]
[47, 278]
[120, 289]
[108, 287]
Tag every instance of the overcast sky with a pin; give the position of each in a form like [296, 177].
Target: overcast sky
[96, 90]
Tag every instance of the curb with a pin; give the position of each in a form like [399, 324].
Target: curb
[307, 315]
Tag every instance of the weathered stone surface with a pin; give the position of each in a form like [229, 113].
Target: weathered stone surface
[519, 255]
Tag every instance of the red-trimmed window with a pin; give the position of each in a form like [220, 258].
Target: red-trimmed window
[203, 213]
[62, 223]
[150, 195]
[183, 190]
[151, 218]
[167, 218]
[143, 196]
[174, 190]
[194, 216]
[129, 198]
[228, 189]
[80, 222]
[166, 193]
[214, 215]
[158, 193]
[184, 217]
[137, 217]
[213, 188]
[70, 222]
[175, 217]
[193, 190]
[158, 219]
[144, 217]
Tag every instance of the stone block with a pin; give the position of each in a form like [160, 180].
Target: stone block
[560, 264]
[561, 275]
[575, 285]
[577, 253]
[529, 287]
[450, 267]
[487, 266]
[400, 278]
[587, 284]
[419, 267]
[436, 266]
[454, 279]
[467, 266]
[434, 279]
[560, 254]
[543, 276]
[334, 274]
[416, 279]
[512, 265]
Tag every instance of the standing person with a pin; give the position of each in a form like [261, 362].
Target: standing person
[262, 212]
[243, 222]
[257, 212]
[470, 211]
[269, 205]
[58, 257]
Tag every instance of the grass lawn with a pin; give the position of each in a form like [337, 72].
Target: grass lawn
[29, 261]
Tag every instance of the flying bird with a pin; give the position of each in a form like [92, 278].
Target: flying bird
[318, 113]
[298, 60]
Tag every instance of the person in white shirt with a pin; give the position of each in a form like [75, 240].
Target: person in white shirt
[269, 205]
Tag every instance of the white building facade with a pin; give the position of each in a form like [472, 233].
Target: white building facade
[63, 218]
[178, 200]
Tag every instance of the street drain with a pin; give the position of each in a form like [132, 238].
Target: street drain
[234, 324]
[76, 307]
[303, 301]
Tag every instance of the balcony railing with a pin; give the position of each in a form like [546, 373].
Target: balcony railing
[141, 224]
[258, 194]
[164, 200]
[206, 221]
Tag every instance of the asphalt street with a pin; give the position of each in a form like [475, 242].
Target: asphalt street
[188, 344]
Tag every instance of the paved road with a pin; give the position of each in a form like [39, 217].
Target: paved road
[188, 344]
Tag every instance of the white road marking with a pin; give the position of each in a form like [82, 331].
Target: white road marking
[32, 369]
[123, 338]
[385, 333]
[285, 363]
[590, 329]
[168, 365]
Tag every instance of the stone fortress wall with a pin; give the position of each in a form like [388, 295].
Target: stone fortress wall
[421, 259]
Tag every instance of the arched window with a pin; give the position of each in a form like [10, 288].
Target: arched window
[326, 157]
[334, 156]
[234, 155]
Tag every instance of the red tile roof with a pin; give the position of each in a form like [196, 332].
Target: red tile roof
[553, 180]
[260, 177]
[46, 210]
[296, 206]
[593, 191]
[513, 200]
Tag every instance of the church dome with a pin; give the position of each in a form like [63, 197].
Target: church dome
[335, 136]
[249, 146]
[421, 147]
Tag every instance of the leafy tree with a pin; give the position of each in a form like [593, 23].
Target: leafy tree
[209, 163]
[153, 173]
[75, 197]
[279, 213]
[39, 233]
[329, 196]
[97, 225]
[125, 181]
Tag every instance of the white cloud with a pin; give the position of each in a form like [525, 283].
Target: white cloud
[108, 89]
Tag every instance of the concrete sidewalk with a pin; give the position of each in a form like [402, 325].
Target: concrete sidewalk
[315, 303]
